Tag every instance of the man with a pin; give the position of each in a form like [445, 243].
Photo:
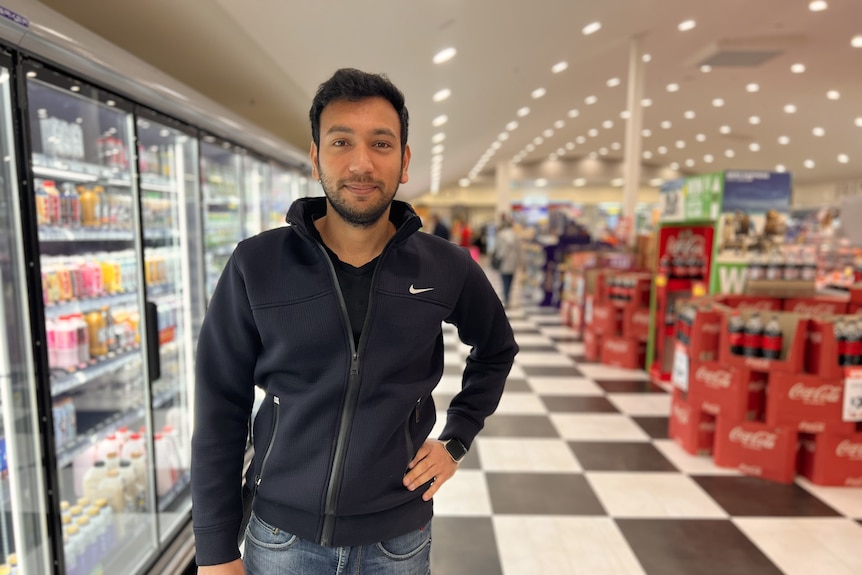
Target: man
[437, 227]
[338, 317]
[507, 252]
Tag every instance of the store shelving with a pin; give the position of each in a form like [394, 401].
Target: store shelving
[68, 381]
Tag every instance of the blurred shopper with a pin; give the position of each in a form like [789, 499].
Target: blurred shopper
[507, 255]
[338, 317]
[437, 227]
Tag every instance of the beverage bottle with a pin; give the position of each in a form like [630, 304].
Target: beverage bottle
[96, 334]
[42, 217]
[90, 207]
[12, 560]
[134, 443]
[107, 515]
[109, 444]
[755, 270]
[115, 494]
[809, 265]
[97, 520]
[53, 202]
[83, 337]
[139, 464]
[70, 208]
[775, 268]
[93, 479]
[72, 550]
[58, 415]
[65, 278]
[842, 343]
[165, 464]
[680, 324]
[664, 266]
[130, 486]
[172, 435]
[854, 343]
[176, 418]
[123, 435]
[67, 342]
[773, 339]
[693, 267]
[103, 210]
[110, 335]
[680, 267]
[71, 418]
[752, 338]
[51, 333]
[89, 543]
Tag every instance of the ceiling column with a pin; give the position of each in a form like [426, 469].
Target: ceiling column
[634, 125]
[503, 184]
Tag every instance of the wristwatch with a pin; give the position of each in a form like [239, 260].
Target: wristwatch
[456, 449]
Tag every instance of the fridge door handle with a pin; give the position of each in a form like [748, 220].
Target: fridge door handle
[154, 363]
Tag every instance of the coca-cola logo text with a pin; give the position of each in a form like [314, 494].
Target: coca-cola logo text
[820, 395]
[815, 337]
[617, 346]
[754, 306]
[713, 378]
[686, 246]
[681, 414]
[849, 450]
[713, 328]
[814, 309]
[601, 312]
[754, 440]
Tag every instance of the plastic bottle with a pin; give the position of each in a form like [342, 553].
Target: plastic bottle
[139, 464]
[755, 270]
[107, 515]
[115, 496]
[840, 331]
[66, 342]
[97, 520]
[110, 336]
[51, 333]
[90, 207]
[773, 339]
[72, 550]
[52, 202]
[166, 464]
[130, 486]
[775, 268]
[71, 415]
[93, 479]
[70, 207]
[134, 443]
[96, 333]
[809, 266]
[109, 444]
[83, 338]
[854, 342]
[12, 560]
[89, 543]
[752, 339]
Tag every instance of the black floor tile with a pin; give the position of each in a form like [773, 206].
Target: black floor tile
[538, 348]
[464, 546]
[453, 369]
[552, 371]
[579, 358]
[566, 338]
[542, 494]
[525, 331]
[518, 384]
[627, 386]
[694, 547]
[500, 425]
[620, 456]
[471, 460]
[578, 404]
[755, 497]
[655, 427]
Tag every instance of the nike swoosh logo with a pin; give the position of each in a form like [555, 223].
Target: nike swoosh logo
[415, 291]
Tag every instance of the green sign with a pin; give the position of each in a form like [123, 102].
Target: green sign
[728, 277]
[703, 196]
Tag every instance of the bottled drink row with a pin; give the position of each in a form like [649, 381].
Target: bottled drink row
[788, 266]
[753, 338]
[76, 341]
[682, 267]
[79, 206]
[156, 160]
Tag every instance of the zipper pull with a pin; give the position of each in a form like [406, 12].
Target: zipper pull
[354, 365]
[416, 409]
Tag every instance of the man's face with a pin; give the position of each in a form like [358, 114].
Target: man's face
[359, 161]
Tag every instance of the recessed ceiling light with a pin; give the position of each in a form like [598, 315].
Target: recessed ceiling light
[708, 158]
[700, 137]
[530, 147]
[111, 103]
[538, 140]
[444, 55]
[615, 146]
[548, 133]
[843, 158]
[754, 147]
[592, 132]
[438, 149]
[729, 153]
[624, 115]
[809, 164]
[603, 151]
[819, 132]
[724, 129]
[856, 42]
[718, 102]
[513, 125]
[646, 102]
[680, 144]
[559, 124]
[75, 88]
[646, 58]
[538, 93]
[580, 139]
[613, 82]
[607, 124]
[689, 115]
[790, 108]
[31, 74]
[592, 28]
[686, 25]
[858, 122]
[754, 120]
[797, 68]
[780, 168]
[559, 67]
[593, 156]
[523, 112]
[590, 100]
[438, 137]
[570, 146]
[656, 182]
[783, 140]
[674, 166]
[689, 163]
[646, 132]
[666, 125]
[833, 94]
[752, 87]
[439, 120]
[464, 182]
[541, 182]
[553, 157]
[573, 113]
[442, 95]
[706, 68]
[503, 136]
[817, 5]
[672, 87]
[561, 151]
[647, 155]
[580, 182]
[662, 150]
[617, 182]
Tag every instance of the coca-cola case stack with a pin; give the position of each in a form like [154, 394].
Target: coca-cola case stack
[831, 459]
[692, 428]
[757, 449]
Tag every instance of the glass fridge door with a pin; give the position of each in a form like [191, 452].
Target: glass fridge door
[256, 175]
[283, 190]
[221, 164]
[24, 546]
[167, 162]
[86, 207]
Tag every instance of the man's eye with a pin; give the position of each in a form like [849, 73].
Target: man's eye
[339, 143]
[383, 145]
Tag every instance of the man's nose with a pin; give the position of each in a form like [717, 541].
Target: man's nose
[361, 161]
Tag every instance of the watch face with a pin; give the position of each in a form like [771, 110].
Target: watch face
[456, 449]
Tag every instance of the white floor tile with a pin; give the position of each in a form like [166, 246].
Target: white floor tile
[563, 546]
[803, 546]
[652, 495]
[597, 427]
[647, 404]
[544, 319]
[517, 370]
[521, 324]
[519, 403]
[570, 348]
[557, 330]
[453, 358]
[564, 386]
[465, 494]
[450, 384]
[599, 372]
[527, 455]
[543, 359]
[688, 463]
[533, 339]
[846, 500]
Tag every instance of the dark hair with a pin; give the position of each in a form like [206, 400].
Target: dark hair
[354, 85]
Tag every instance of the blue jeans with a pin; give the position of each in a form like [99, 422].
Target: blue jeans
[507, 286]
[271, 551]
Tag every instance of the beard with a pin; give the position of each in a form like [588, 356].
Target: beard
[361, 213]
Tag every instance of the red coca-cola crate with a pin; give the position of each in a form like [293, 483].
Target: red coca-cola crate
[757, 449]
[592, 343]
[794, 329]
[819, 306]
[734, 393]
[636, 323]
[831, 459]
[623, 352]
[704, 335]
[690, 427]
[607, 319]
[822, 352]
[629, 289]
[808, 403]
[748, 302]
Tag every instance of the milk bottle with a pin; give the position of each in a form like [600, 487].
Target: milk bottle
[115, 495]
[134, 443]
[139, 464]
[97, 520]
[72, 550]
[107, 515]
[130, 483]
[93, 480]
[112, 460]
[166, 466]
[89, 543]
[109, 444]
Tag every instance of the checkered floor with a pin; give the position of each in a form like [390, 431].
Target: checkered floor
[575, 474]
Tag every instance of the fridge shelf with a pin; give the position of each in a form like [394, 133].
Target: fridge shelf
[81, 305]
[74, 171]
[166, 500]
[221, 250]
[67, 453]
[163, 398]
[69, 381]
[55, 234]
[161, 234]
[152, 183]
[160, 290]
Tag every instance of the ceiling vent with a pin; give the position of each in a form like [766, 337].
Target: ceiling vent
[745, 52]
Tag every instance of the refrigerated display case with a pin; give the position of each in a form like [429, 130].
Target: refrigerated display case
[256, 178]
[221, 166]
[86, 206]
[286, 185]
[24, 543]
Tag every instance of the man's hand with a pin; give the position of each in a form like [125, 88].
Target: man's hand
[432, 461]
[233, 568]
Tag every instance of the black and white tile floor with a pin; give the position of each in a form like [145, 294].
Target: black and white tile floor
[575, 474]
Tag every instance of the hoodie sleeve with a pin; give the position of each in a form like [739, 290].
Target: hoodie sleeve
[228, 348]
[482, 324]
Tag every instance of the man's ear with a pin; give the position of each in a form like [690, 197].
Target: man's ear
[312, 153]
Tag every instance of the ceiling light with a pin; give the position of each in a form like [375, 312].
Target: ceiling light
[783, 140]
[503, 136]
[819, 132]
[724, 129]
[674, 166]
[464, 182]
[754, 147]
[580, 139]
[797, 68]
[646, 58]
[729, 153]
[607, 124]
[780, 168]
[573, 113]
[817, 5]
[75, 88]
[672, 87]
[570, 146]
[615, 146]
[513, 125]
[856, 42]
[496, 145]
[590, 100]
[843, 158]
[646, 102]
[559, 124]
[592, 28]
[580, 182]
[656, 182]
[706, 68]
[548, 133]
[436, 160]
[530, 147]
[686, 25]
[708, 158]
[538, 93]
[559, 67]
[833, 94]
[624, 115]
[752, 87]
[613, 82]
[538, 140]
[647, 155]
[592, 132]
[561, 151]
[809, 164]
[603, 151]
[541, 182]
[438, 137]
[689, 163]
[617, 182]
[439, 120]
[31, 74]
[444, 55]
[689, 115]
[754, 120]
[646, 132]
[111, 103]
[790, 108]
[666, 125]
[700, 137]
[438, 149]
[662, 150]
[858, 122]
[552, 157]
[718, 102]
[680, 144]
[523, 112]
[442, 94]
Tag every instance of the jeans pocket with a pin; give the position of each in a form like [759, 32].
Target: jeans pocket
[407, 546]
[262, 534]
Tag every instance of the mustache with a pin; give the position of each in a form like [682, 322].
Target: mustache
[361, 181]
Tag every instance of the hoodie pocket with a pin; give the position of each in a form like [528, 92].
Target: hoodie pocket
[273, 430]
[412, 420]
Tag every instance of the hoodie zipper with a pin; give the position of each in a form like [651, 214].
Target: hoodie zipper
[414, 415]
[276, 403]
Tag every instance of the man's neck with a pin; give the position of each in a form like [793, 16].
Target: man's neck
[354, 245]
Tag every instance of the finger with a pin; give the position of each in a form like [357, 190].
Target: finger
[421, 454]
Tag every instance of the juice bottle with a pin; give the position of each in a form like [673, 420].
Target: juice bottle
[110, 334]
[70, 207]
[53, 202]
[42, 217]
[83, 337]
[107, 275]
[103, 213]
[93, 279]
[64, 274]
[53, 281]
[51, 332]
[66, 341]
[89, 207]
[96, 332]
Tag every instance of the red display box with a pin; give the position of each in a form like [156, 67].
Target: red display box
[607, 319]
[748, 302]
[808, 403]
[792, 358]
[592, 343]
[733, 393]
[757, 449]
[623, 352]
[819, 306]
[636, 323]
[831, 459]
[705, 335]
[821, 353]
[690, 427]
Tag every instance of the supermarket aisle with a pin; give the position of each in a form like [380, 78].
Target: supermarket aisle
[575, 474]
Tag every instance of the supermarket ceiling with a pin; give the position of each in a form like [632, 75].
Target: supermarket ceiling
[728, 93]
